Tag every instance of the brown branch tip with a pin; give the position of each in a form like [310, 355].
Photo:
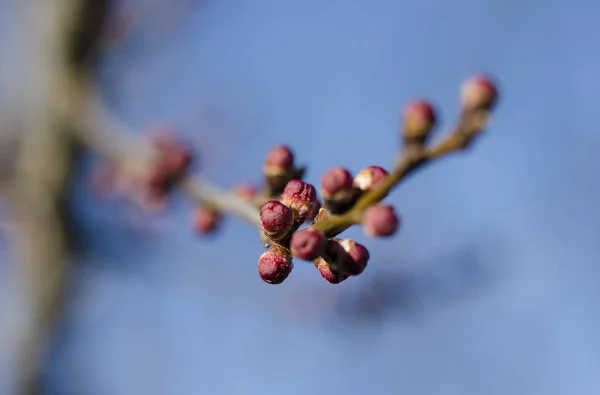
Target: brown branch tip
[292, 220]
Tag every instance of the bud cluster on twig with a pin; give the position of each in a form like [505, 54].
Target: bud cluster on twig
[293, 222]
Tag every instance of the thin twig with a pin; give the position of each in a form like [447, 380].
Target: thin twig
[412, 158]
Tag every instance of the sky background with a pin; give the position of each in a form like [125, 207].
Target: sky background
[489, 288]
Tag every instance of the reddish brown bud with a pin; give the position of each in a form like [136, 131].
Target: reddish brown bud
[276, 218]
[419, 120]
[275, 265]
[380, 221]
[478, 92]
[245, 191]
[206, 220]
[156, 178]
[369, 177]
[338, 191]
[279, 160]
[335, 180]
[301, 197]
[327, 271]
[177, 157]
[307, 244]
[359, 254]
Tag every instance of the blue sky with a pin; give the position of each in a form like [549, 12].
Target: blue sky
[158, 310]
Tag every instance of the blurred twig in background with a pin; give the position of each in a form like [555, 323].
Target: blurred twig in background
[55, 56]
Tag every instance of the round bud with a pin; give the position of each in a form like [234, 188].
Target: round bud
[359, 254]
[380, 221]
[179, 159]
[478, 93]
[307, 244]
[327, 271]
[156, 178]
[419, 120]
[275, 265]
[276, 219]
[279, 161]
[206, 220]
[369, 177]
[335, 180]
[301, 197]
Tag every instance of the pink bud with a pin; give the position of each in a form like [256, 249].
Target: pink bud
[156, 178]
[478, 92]
[380, 221]
[307, 244]
[276, 218]
[279, 161]
[419, 120]
[359, 257]
[301, 197]
[275, 265]
[177, 157]
[206, 220]
[335, 180]
[327, 271]
[369, 177]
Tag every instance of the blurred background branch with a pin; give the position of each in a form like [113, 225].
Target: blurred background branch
[60, 37]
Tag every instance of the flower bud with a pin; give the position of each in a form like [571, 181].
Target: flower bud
[307, 244]
[300, 197]
[478, 93]
[279, 161]
[156, 179]
[327, 271]
[275, 265]
[176, 156]
[369, 177]
[276, 219]
[338, 191]
[206, 220]
[419, 120]
[179, 159]
[359, 257]
[380, 221]
[335, 181]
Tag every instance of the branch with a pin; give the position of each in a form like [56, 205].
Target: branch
[103, 133]
[39, 186]
[412, 158]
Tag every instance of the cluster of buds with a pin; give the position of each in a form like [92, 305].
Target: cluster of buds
[293, 222]
[349, 200]
[149, 185]
[281, 219]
